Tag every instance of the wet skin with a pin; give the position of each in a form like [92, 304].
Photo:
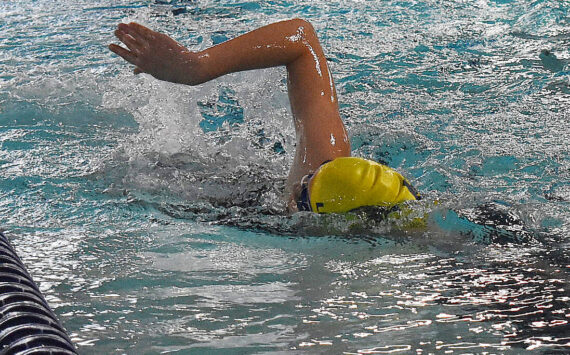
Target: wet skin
[321, 135]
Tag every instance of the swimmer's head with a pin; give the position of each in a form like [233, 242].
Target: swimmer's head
[348, 183]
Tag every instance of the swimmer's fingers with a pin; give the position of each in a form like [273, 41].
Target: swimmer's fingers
[123, 53]
[145, 32]
[135, 45]
[137, 31]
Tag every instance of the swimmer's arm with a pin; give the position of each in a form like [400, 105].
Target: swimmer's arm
[155, 53]
[291, 43]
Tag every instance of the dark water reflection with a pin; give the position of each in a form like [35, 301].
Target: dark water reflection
[504, 299]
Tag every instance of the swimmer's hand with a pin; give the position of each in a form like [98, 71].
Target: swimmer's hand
[157, 54]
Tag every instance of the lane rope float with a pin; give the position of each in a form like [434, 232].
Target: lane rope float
[27, 323]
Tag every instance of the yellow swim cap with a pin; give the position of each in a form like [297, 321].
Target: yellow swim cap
[347, 183]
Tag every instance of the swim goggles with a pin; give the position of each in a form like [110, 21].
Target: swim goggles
[304, 203]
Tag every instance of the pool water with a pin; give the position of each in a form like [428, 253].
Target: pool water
[149, 213]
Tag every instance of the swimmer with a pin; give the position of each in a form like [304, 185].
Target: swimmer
[318, 180]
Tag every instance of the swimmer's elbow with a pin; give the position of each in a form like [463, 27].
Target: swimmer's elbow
[303, 26]
[299, 22]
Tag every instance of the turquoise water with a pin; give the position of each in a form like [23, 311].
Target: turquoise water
[149, 213]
